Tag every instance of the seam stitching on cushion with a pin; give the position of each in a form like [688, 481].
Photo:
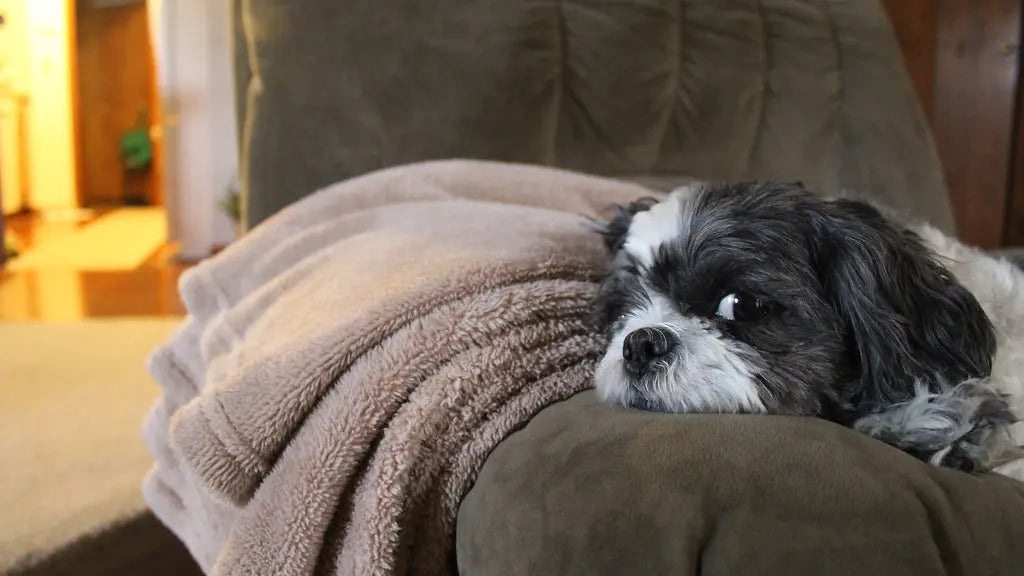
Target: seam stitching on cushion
[568, 94]
[677, 79]
[563, 49]
[840, 91]
[765, 62]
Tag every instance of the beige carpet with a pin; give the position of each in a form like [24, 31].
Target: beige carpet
[120, 240]
[72, 398]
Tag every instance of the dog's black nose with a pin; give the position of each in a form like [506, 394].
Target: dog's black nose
[643, 347]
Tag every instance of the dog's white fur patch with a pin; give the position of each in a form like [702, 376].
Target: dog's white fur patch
[709, 374]
[667, 220]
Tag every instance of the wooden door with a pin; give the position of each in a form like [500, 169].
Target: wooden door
[116, 94]
[964, 60]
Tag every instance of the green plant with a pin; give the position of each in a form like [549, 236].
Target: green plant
[231, 204]
[11, 246]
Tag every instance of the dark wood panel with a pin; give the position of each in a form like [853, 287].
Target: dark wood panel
[973, 110]
[156, 116]
[1014, 235]
[115, 88]
[3, 243]
[915, 23]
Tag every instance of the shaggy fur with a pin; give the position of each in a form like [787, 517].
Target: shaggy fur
[764, 298]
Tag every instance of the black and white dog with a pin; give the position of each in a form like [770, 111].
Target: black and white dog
[764, 298]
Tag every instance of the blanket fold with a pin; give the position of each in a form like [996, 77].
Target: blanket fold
[346, 367]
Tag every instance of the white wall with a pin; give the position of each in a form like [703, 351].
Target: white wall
[15, 65]
[51, 133]
[36, 99]
[192, 43]
[14, 58]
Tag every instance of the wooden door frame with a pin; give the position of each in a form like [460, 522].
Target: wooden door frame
[155, 119]
[71, 7]
[3, 245]
[156, 196]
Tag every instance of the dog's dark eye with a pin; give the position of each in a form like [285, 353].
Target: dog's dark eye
[741, 307]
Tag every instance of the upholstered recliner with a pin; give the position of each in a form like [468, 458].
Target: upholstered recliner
[658, 92]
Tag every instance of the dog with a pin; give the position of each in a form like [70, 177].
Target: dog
[764, 297]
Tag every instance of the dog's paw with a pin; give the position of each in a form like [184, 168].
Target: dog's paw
[990, 416]
[953, 428]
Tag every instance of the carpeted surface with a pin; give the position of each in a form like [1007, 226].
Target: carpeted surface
[72, 398]
[138, 546]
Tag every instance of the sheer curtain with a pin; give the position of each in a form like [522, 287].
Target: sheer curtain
[192, 44]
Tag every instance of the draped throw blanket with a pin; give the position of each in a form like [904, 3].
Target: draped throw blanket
[346, 367]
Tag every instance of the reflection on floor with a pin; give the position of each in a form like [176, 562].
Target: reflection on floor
[90, 264]
[121, 239]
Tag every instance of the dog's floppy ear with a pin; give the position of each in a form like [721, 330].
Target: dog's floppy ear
[615, 292]
[620, 284]
[910, 321]
[615, 228]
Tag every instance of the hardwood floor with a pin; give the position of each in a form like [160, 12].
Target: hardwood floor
[66, 293]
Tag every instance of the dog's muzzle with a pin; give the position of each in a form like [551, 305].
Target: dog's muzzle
[643, 348]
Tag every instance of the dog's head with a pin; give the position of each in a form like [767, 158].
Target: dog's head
[762, 297]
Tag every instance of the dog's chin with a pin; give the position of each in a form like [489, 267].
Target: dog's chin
[640, 402]
[618, 386]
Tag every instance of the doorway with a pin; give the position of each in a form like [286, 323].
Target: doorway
[90, 236]
[117, 105]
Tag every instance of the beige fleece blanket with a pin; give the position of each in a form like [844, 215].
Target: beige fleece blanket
[347, 366]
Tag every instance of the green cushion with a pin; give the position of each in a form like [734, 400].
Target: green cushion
[592, 489]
